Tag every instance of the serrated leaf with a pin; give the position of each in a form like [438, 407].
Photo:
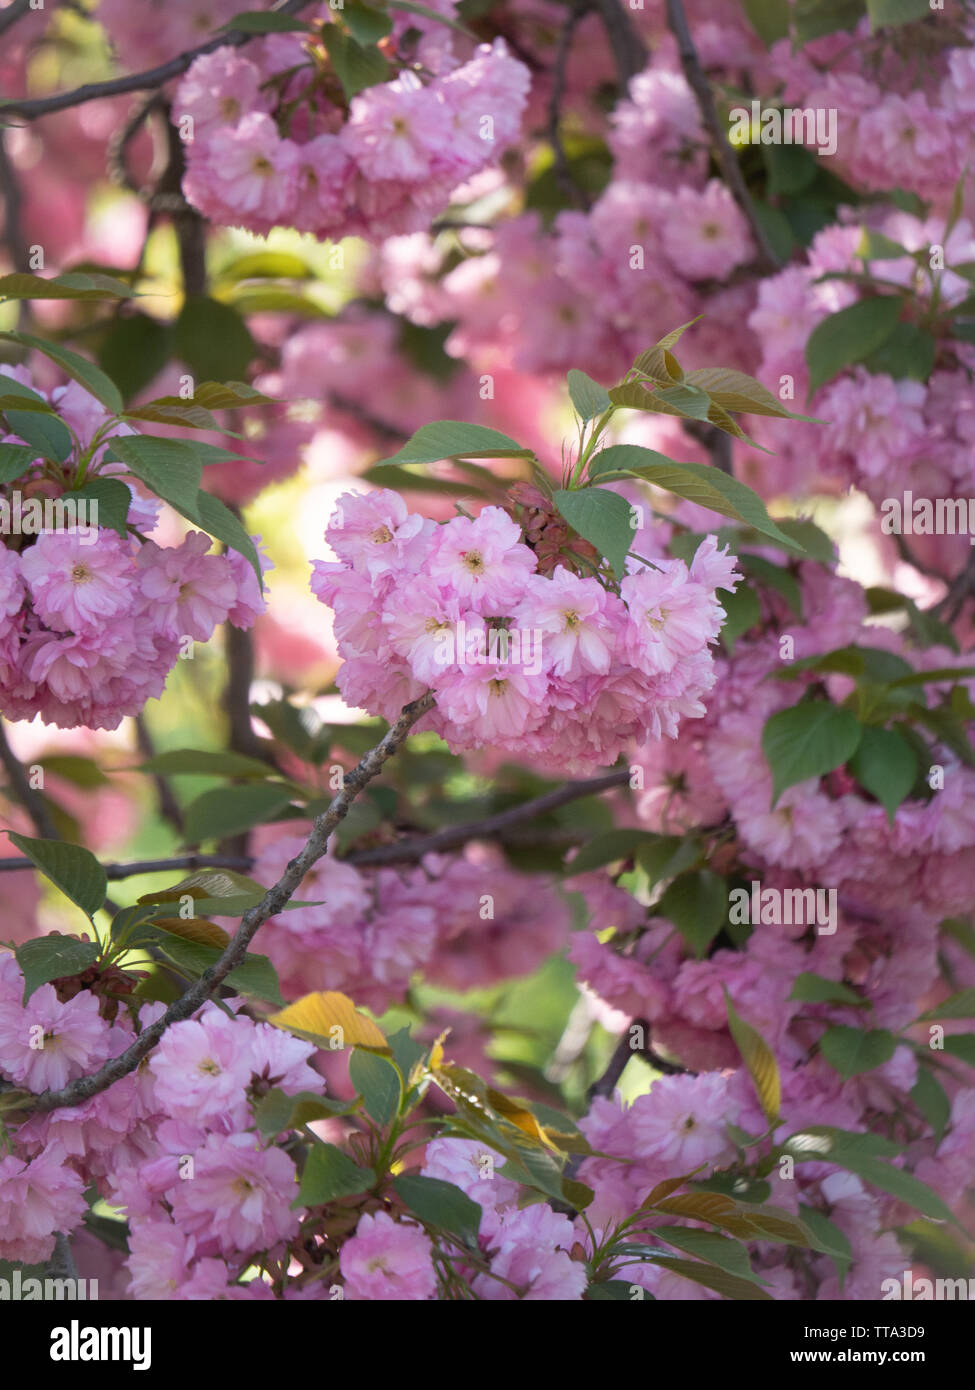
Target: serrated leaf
[886, 765]
[329, 1175]
[602, 518]
[255, 976]
[73, 285]
[807, 741]
[849, 336]
[225, 811]
[758, 1058]
[829, 1239]
[853, 1051]
[356, 67]
[736, 391]
[729, 1255]
[213, 340]
[588, 397]
[112, 500]
[46, 958]
[92, 378]
[279, 1111]
[378, 1083]
[366, 24]
[932, 1100]
[441, 1205]
[858, 1153]
[316, 1015]
[71, 868]
[816, 989]
[697, 904]
[168, 467]
[696, 482]
[606, 848]
[728, 1285]
[447, 439]
[888, 13]
[15, 459]
[219, 521]
[960, 1005]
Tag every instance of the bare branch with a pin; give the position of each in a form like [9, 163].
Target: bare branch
[137, 81]
[168, 805]
[629, 50]
[84, 1087]
[728, 160]
[563, 172]
[12, 13]
[25, 794]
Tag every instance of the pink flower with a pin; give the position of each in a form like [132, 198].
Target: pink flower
[483, 561]
[704, 234]
[387, 1260]
[238, 1197]
[576, 619]
[670, 617]
[201, 1068]
[37, 1200]
[395, 129]
[44, 1044]
[682, 1121]
[191, 591]
[77, 585]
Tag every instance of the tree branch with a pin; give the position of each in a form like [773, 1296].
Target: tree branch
[168, 805]
[563, 173]
[727, 159]
[23, 792]
[12, 13]
[138, 81]
[491, 828]
[84, 1087]
[629, 51]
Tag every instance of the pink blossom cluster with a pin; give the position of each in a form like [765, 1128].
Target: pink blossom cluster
[893, 884]
[579, 672]
[463, 921]
[92, 623]
[270, 148]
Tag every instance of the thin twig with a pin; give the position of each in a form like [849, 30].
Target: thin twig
[12, 13]
[407, 851]
[84, 1087]
[492, 827]
[168, 805]
[629, 51]
[727, 159]
[24, 793]
[717, 442]
[137, 81]
[563, 171]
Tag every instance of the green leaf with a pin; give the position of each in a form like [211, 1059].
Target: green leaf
[588, 397]
[113, 500]
[355, 67]
[759, 1059]
[812, 19]
[853, 1051]
[441, 1205]
[78, 368]
[74, 285]
[406, 1051]
[816, 989]
[15, 459]
[810, 537]
[775, 577]
[874, 246]
[255, 976]
[908, 352]
[962, 1046]
[729, 1255]
[448, 439]
[769, 19]
[602, 518]
[606, 848]
[225, 811]
[168, 467]
[378, 1083]
[213, 340]
[663, 856]
[218, 520]
[425, 12]
[736, 391]
[960, 1005]
[278, 1111]
[858, 1154]
[728, 1285]
[891, 12]
[49, 437]
[202, 762]
[807, 741]
[829, 1239]
[366, 24]
[71, 868]
[46, 958]
[696, 482]
[134, 350]
[265, 22]
[697, 904]
[886, 765]
[329, 1175]
[849, 336]
[742, 611]
[931, 1099]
